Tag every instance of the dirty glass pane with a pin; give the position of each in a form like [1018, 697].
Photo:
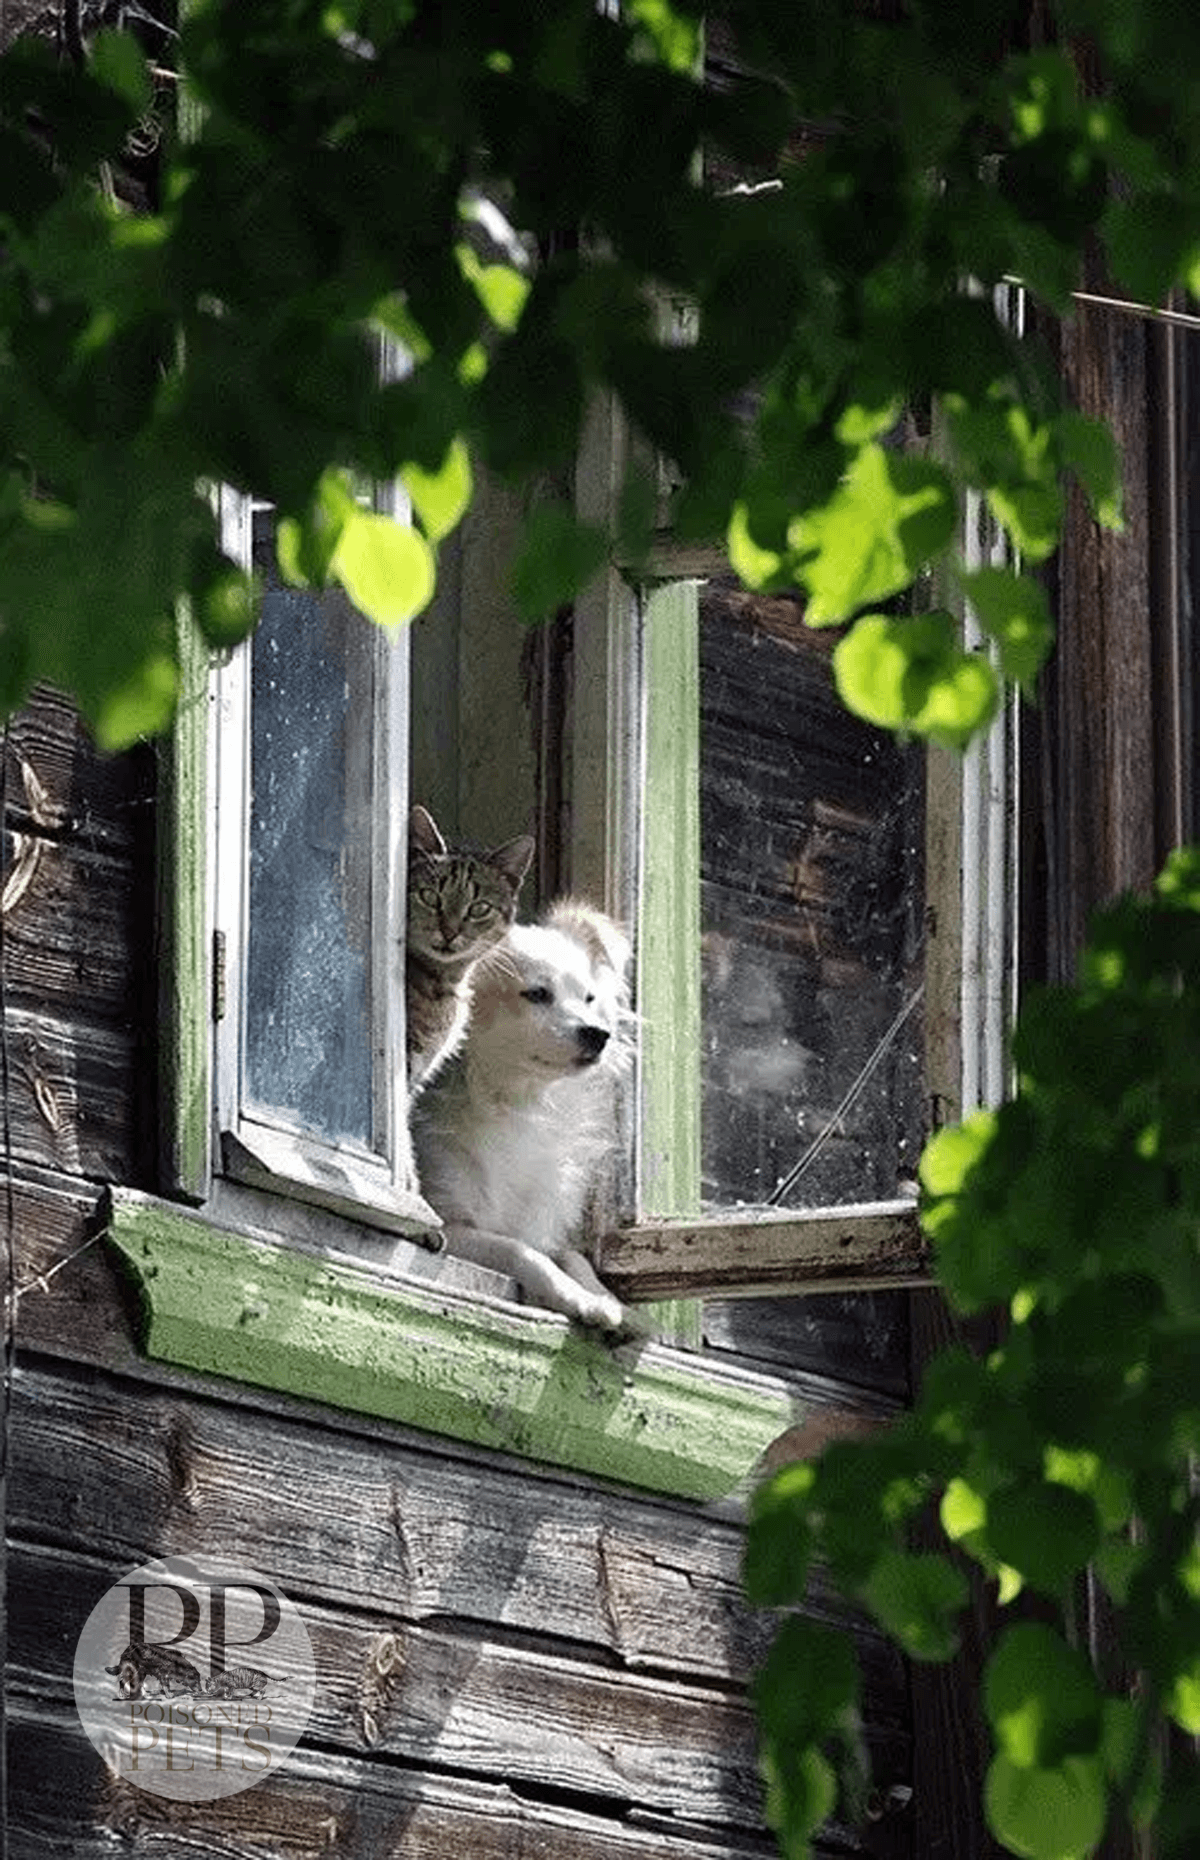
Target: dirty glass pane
[812, 915]
[308, 1050]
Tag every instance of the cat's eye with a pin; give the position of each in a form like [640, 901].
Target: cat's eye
[426, 895]
[539, 994]
[481, 908]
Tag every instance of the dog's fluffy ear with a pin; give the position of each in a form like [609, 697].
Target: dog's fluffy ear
[604, 940]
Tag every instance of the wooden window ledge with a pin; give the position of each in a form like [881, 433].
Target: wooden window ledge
[475, 1369]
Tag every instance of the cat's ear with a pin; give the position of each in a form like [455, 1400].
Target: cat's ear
[423, 832]
[513, 858]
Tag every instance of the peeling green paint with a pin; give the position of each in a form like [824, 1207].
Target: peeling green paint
[214, 1300]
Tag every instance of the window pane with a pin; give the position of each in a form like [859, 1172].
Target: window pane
[308, 1051]
[812, 921]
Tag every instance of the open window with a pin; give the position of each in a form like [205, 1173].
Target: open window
[309, 775]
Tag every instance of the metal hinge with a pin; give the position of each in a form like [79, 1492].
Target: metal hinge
[218, 975]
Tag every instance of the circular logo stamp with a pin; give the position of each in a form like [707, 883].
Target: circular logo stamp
[194, 1678]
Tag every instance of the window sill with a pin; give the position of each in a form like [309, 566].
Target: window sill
[213, 1299]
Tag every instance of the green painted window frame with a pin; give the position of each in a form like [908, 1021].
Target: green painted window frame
[670, 1250]
[282, 1317]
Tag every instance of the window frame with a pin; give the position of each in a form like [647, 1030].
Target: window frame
[659, 1245]
[209, 785]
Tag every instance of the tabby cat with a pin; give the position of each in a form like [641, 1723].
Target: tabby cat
[460, 904]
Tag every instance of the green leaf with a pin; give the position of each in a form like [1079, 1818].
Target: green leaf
[1041, 1698]
[675, 35]
[808, 1685]
[1047, 1814]
[801, 1796]
[889, 516]
[139, 705]
[963, 1510]
[307, 545]
[1047, 1532]
[227, 608]
[440, 498]
[559, 556]
[779, 1538]
[951, 1155]
[501, 289]
[917, 1596]
[1087, 448]
[912, 675]
[119, 63]
[757, 567]
[385, 568]
[1183, 1700]
[1014, 610]
[1151, 241]
[1032, 515]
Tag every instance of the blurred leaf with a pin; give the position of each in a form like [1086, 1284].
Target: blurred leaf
[139, 705]
[1047, 1814]
[559, 555]
[307, 545]
[118, 61]
[1047, 1532]
[1014, 610]
[917, 1598]
[1041, 1697]
[887, 518]
[912, 675]
[1090, 451]
[441, 498]
[1032, 515]
[501, 289]
[385, 568]
[779, 1538]
[675, 35]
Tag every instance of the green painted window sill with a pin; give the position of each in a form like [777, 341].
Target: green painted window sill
[518, 1380]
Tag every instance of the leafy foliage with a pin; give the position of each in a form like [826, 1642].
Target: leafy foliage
[508, 193]
[504, 196]
[1076, 1207]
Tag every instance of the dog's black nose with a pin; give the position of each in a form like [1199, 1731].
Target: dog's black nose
[593, 1040]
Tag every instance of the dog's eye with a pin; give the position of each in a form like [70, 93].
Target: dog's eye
[540, 995]
[588, 999]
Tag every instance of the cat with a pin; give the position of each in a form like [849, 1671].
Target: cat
[460, 905]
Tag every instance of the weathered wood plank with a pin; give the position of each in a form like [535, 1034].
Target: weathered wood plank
[78, 1097]
[121, 1471]
[431, 1696]
[321, 1804]
[57, 780]
[524, 1381]
[72, 945]
[746, 1255]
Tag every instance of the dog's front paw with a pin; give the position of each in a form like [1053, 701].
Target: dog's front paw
[601, 1310]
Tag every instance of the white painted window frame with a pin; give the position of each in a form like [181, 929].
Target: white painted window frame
[373, 1184]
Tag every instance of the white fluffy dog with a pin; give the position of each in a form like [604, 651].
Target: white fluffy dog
[511, 1137]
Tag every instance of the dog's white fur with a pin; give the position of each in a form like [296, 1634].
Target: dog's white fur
[511, 1137]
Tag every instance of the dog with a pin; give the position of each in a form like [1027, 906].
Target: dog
[512, 1137]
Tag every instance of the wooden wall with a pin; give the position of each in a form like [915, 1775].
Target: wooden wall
[510, 1660]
